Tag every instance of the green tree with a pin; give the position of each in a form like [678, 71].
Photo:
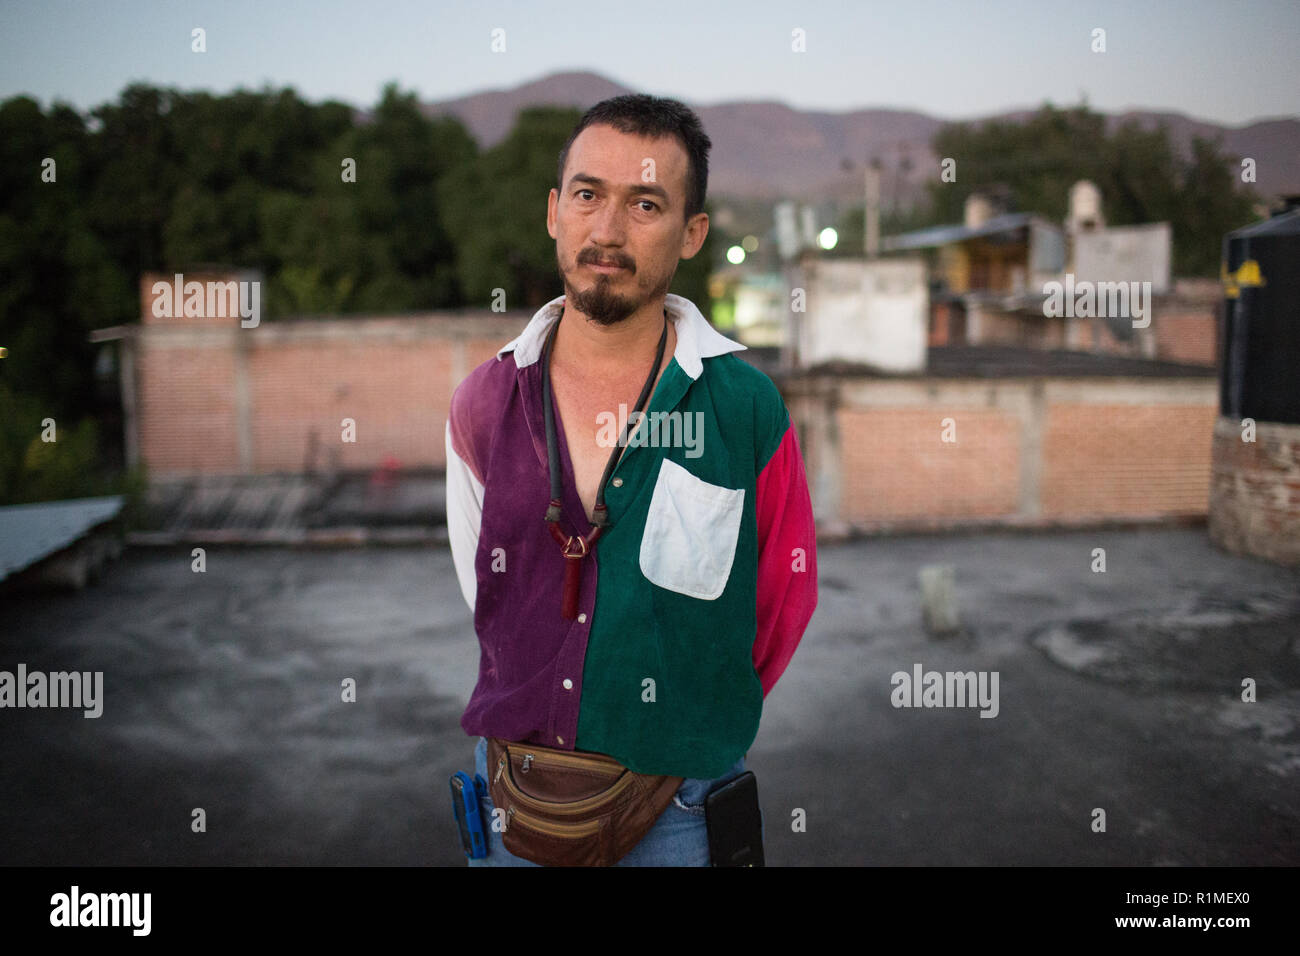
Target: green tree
[1209, 206]
[57, 278]
[401, 157]
[495, 212]
[1034, 164]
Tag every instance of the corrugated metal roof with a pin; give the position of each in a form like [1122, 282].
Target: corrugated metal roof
[942, 235]
[31, 532]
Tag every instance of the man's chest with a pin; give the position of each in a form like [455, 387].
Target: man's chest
[593, 413]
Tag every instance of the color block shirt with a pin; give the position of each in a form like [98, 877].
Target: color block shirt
[694, 597]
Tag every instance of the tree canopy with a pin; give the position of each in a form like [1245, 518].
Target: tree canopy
[1140, 178]
[392, 212]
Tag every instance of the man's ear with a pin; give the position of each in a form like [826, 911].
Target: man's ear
[551, 209]
[697, 228]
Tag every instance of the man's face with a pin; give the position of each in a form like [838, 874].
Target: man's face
[617, 207]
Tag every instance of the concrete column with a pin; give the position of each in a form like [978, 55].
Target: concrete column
[1033, 411]
[243, 402]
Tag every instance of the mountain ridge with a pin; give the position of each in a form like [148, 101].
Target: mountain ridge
[766, 149]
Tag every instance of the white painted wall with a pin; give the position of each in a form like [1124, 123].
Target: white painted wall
[872, 312]
[1125, 254]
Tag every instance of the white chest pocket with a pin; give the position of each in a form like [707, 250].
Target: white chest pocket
[690, 535]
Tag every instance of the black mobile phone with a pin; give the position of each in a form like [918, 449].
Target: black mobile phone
[735, 823]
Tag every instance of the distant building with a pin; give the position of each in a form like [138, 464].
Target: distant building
[869, 312]
[990, 278]
[761, 304]
[895, 434]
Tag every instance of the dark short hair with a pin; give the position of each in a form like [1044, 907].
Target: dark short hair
[653, 116]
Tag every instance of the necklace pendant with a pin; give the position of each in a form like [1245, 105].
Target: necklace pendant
[572, 580]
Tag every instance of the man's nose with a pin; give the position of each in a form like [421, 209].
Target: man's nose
[608, 225]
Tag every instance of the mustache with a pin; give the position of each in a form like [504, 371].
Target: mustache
[594, 258]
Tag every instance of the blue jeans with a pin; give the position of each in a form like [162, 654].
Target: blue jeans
[678, 837]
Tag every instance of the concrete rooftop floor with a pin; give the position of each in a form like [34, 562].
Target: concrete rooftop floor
[1117, 690]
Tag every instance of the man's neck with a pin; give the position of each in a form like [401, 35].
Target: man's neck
[611, 351]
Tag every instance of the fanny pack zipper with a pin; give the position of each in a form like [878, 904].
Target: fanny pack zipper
[566, 830]
[565, 809]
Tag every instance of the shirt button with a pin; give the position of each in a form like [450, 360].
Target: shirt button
[568, 684]
[559, 738]
[582, 618]
[617, 482]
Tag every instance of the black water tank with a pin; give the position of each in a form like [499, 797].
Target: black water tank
[1259, 374]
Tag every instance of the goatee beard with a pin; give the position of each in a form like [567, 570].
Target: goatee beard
[601, 305]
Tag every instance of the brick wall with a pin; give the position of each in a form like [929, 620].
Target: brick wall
[1255, 491]
[212, 397]
[1120, 460]
[274, 398]
[1188, 335]
[1028, 451]
[163, 298]
[1187, 320]
[186, 409]
[940, 313]
[397, 394]
[895, 462]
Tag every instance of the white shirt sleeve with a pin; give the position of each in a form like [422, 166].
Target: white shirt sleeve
[464, 519]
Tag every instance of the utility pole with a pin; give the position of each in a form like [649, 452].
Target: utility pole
[871, 215]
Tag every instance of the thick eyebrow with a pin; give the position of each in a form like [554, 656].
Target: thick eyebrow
[652, 188]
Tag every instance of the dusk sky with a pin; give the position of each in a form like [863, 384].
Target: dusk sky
[1229, 62]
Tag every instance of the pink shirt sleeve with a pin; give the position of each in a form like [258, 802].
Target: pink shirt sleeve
[787, 560]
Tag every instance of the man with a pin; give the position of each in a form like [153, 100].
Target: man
[686, 533]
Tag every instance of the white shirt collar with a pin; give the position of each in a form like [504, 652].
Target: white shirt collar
[696, 338]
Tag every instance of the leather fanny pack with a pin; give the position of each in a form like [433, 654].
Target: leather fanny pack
[571, 808]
